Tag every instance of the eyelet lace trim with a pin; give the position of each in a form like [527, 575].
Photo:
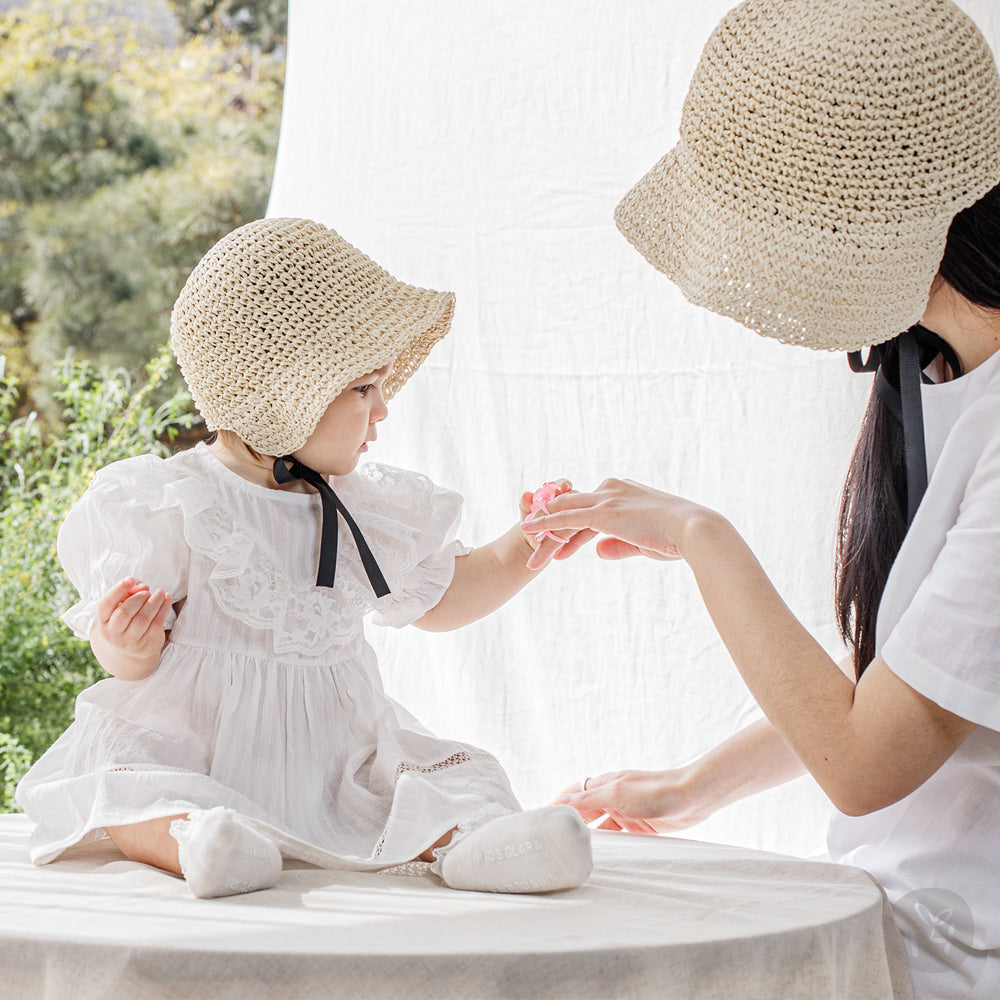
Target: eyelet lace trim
[414, 869]
[459, 757]
[462, 757]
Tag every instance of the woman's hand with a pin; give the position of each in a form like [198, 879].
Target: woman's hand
[129, 632]
[546, 547]
[750, 761]
[636, 520]
[637, 801]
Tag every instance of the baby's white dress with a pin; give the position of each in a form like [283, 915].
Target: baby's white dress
[268, 698]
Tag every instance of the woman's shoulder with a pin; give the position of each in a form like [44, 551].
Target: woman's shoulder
[977, 429]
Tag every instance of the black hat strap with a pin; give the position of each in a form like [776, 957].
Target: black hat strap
[899, 389]
[332, 504]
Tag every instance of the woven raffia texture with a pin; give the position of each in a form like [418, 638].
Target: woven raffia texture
[281, 315]
[825, 146]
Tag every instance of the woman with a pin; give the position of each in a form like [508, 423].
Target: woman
[835, 186]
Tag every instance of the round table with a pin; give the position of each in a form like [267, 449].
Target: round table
[659, 917]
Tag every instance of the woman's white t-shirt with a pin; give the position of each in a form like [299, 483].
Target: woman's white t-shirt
[937, 851]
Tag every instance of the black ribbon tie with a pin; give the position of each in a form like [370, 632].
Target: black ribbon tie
[332, 504]
[898, 387]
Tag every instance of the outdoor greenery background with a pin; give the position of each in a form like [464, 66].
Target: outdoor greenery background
[133, 135]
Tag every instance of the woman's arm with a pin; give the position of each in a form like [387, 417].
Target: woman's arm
[867, 745]
[753, 760]
[128, 634]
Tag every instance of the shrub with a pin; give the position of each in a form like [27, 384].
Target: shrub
[128, 147]
[44, 469]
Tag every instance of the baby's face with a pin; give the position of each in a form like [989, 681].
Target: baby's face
[344, 430]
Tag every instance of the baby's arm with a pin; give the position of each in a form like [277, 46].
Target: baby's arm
[490, 575]
[128, 635]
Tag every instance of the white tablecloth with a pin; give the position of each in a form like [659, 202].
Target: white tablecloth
[659, 917]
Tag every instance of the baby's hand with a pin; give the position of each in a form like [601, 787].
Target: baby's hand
[132, 620]
[545, 543]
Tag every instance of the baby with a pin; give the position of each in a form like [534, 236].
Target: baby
[245, 719]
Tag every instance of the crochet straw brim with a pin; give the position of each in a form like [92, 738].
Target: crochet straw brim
[825, 147]
[403, 326]
[281, 316]
[777, 278]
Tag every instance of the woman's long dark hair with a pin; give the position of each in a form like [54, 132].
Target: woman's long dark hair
[872, 521]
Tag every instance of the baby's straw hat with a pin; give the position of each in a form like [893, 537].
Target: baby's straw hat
[825, 147]
[281, 315]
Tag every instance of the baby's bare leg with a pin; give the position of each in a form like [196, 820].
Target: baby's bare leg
[213, 849]
[149, 843]
[428, 855]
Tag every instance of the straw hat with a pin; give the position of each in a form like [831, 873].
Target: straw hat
[281, 315]
[825, 146]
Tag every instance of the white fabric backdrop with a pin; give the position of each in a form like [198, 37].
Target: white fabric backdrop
[482, 148]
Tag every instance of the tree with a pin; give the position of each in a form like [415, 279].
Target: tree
[263, 22]
[127, 148]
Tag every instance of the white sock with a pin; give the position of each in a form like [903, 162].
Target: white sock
[537, 851]
[220, 856]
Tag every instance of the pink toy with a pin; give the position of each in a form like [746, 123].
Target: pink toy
[545, 493]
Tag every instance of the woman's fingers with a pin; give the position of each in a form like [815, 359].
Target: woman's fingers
[572, 513]
[632, 825]
[614, 548]
[558, 544]
[611, 548]
[603, 800]
[598, 798]
[568, 797]
[573, 543]
[648, 520]
[628, 799]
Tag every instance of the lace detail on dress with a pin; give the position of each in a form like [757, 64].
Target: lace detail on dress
[462, 757]
[403, 515]
[248, 585]
[413, 869]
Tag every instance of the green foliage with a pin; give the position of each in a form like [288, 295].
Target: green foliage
[264, 22]
[106, 416]
[14, 763]
[127, 148]
[103, 269]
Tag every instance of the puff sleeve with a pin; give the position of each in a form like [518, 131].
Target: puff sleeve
[413, 532]
[123, 525]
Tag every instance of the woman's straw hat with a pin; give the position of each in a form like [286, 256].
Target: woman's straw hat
[825, 147]
[281, 315]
